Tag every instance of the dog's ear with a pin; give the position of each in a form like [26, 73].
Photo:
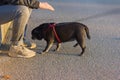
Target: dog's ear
[44, 25]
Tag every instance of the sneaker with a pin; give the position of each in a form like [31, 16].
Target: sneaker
[21, 51]
[33, 45]
[29, 44]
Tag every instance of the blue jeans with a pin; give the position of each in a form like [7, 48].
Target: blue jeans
[19, 15]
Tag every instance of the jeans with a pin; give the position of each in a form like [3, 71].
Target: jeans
[19, 15]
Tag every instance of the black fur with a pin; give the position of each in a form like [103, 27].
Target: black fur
[67, 31]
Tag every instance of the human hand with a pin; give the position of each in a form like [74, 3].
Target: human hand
[45, 5]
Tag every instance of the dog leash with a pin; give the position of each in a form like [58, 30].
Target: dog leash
[55, 33]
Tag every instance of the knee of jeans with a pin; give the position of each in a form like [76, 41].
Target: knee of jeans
[24, 11]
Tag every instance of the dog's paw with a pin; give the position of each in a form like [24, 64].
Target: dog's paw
[56, 50]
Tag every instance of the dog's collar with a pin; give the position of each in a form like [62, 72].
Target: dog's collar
[55, 33]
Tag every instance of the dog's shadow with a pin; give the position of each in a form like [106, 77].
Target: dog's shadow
[66, 54]
[116, 39]
[40, 48]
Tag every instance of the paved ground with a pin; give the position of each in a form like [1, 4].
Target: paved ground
[101, 60]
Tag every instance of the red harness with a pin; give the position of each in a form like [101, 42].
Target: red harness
[55, 33]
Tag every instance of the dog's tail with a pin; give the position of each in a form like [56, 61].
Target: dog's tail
[87, 32]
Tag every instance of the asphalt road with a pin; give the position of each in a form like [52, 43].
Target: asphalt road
[101, 61]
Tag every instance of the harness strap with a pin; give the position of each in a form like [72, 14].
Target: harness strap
[53, 28]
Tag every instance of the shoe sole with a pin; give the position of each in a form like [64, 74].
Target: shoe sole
[19, 56]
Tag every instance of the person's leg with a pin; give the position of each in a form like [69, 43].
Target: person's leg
[26, 42]
[20, 16]
[20, 21]
[25, 32]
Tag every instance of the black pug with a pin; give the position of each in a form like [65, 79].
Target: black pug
[61, 32]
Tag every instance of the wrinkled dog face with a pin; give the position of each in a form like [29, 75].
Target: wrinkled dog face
[36, 34]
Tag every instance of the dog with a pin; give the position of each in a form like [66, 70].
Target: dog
[61, 32]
